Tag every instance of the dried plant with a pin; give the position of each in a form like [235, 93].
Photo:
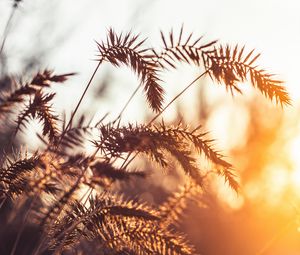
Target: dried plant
[128, 49]
[8, 25]
[53, 179]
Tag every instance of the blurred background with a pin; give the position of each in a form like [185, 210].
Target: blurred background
[261, 139]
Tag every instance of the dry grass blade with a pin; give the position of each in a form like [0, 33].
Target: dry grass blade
[93, 221]
[23, 90]
[55, 210]
[157, 143]
[171, 211]
[45, 78]
[128, 50]
[190, 52]
[230, 178]
[104, 172]
[14, 179]
[18, 96]
[229, 66]
[39, 108]
[198, 140]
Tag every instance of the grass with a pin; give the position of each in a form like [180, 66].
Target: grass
[41, 192]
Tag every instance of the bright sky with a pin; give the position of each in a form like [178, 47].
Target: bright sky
[270, 26]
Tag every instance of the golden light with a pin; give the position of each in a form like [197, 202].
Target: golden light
[295, 157]
[228, 196]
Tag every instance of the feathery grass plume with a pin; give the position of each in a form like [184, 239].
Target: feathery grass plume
[178, 49]
[230, 65]
[115, 141]
[80, 221]
[127, 49]
[39, 108]
[72, 165]
[203, 145]
[224, 64]
[104, 174]
[48, 177]
[150, 239]
[47, 77]
[171, 211]
[23, 90]
[230, 178]
[157, 142]
[75, 137]
[198, 140]
[18, 96]
[117, 224]
[14, 178]
[55, 210]
[76, 134]
[28, 177]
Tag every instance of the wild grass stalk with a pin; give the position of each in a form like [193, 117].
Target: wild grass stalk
[117, 224]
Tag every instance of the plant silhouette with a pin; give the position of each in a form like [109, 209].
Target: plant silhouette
[82, 213]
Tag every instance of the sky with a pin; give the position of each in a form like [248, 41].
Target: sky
[271, 27]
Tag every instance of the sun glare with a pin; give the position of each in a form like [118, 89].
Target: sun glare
[279, 184]
[295, 157]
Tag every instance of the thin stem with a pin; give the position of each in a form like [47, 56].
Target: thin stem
[22, 227]
[125, 163]
[86, 195]
[37, 249]
[63, 234]
[176, 97]
[120, 115]
[125, 160]
[70, 122]
[71, 191]
[80, 100]
[6, 29]
[3, 201]
[127, 103]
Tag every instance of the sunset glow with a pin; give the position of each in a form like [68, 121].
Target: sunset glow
[150, 127]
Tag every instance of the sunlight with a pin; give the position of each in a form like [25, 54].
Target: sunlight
[228, 196]
[278, 184]
[294, 154]
[295, 176]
